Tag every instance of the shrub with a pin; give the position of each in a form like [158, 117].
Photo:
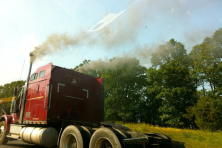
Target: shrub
[208, 113]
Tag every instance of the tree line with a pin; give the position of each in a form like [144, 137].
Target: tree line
[6, 91]
[179, 89]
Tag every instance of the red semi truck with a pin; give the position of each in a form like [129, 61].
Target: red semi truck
[64, 108]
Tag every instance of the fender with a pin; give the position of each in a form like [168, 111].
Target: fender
[8, 120]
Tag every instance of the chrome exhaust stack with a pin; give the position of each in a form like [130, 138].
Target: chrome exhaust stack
[26, 89]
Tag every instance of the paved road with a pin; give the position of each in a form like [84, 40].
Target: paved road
[18, 144]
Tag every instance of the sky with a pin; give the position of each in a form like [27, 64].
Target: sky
[60, 30]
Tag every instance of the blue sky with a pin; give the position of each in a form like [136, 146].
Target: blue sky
[25, 24]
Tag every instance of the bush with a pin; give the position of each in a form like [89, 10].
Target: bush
[208, 113]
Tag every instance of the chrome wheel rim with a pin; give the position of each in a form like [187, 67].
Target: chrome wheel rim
[2, 130]
[70, 141]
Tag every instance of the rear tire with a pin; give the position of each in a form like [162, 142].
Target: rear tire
[3, 138]
[106, 138]
[75, 137]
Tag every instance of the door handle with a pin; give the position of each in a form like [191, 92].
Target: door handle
[38, 89]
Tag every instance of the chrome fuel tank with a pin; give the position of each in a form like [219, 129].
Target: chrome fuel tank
[46, 137]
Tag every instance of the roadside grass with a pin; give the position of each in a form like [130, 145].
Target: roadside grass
[192, 138]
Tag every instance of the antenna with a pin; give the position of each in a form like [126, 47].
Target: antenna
[22, 69]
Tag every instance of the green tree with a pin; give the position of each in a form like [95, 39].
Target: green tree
[85, 62]
[208, 113]
[207, 65]
[89, 71]
[125, 90]
[154, 88]
[7, 89]
[171, 83]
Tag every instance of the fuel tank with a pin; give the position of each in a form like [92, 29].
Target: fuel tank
[46, 137]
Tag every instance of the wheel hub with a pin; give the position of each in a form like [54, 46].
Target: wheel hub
[70, 142]
[2, 130]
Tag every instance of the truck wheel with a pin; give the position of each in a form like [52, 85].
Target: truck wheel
[74, 137]
[3, 138]
[105, 138]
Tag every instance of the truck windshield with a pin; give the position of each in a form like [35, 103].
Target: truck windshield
[42, 74]
[34, 76]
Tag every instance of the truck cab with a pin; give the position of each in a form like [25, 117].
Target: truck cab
[55, 96]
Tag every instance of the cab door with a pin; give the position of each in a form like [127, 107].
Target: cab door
[38, 93]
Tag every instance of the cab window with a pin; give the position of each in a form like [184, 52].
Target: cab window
[34, 76]
[42, 74]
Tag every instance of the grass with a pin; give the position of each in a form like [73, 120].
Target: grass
[192, 138]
